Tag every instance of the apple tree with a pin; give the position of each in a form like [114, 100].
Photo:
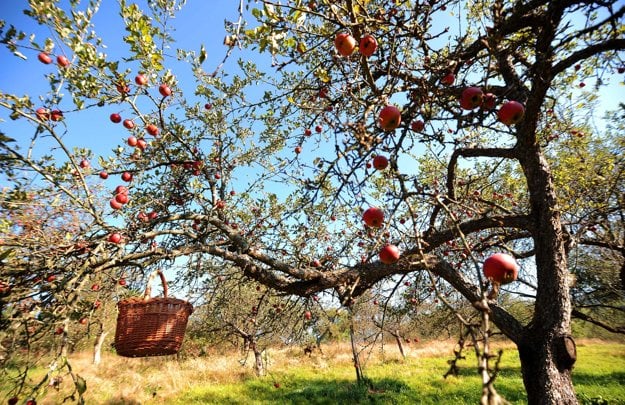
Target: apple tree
[267, 162]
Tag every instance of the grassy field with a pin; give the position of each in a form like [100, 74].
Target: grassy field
[295, 378]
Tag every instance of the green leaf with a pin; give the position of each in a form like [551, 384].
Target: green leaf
[202, 54]
[257, 13]
[6, 254]
[81, 385]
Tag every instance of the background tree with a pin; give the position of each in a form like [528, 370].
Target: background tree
[274, 182]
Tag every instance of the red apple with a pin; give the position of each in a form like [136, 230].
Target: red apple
[380, 162]
[13, 400]
[121, 190]
[127, 176]
[129, 124]
[122, 282]
[298, 149]
[115, 204]
[44, 58]
[104, 175]
[501, 268]
[43, 113]
[121, 198]
[368, 45]
[141, 80]
[84, 164]
[344, 43]
[59, 331]
[62, 61]
[164, 90]
[142, 144]
[511, 112]
[132, 141]
[471, 98]
[152, 129]
[115, 237]
[308, 315]
[208, 106]
[115, 118]
[389, 254]
[448, 79]
[417, 125]
[318, 129]
[83, 321]
[373, 217]
[95, 287]
[56, 115]
[50, 278]
[390, 118]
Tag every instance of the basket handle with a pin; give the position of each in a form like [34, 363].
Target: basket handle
[148, 288]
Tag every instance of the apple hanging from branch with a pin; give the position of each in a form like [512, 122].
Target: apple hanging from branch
[389, 254]
[501, 268]
[511, 112]
[345, 44]
[389, 118]
[373, 217]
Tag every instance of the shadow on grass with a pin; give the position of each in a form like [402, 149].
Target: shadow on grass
[614, 378]
[306, 391]
[320, 392]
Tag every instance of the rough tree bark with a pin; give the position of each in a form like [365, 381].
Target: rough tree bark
[546, 363]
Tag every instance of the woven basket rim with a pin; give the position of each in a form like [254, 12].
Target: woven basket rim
[141, 301]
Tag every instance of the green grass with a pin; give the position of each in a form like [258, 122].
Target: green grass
[599, 374]
[599, 378]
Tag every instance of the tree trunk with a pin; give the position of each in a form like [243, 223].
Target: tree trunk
[352, 338]
[546, 350]
[546, 365]
[399, 344]
[97, 348]
[259, 366]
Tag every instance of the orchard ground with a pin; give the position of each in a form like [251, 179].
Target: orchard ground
[328, 377]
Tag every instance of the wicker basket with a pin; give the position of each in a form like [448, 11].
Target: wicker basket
[151, 326]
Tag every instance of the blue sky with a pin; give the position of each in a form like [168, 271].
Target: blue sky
[199, 22]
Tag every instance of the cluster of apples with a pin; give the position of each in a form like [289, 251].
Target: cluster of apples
[121, 193]
[151, 129]
[374, 217]
[510, 113]
[345, 44]
[389, 119]
[45, 114]
[390, 116]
